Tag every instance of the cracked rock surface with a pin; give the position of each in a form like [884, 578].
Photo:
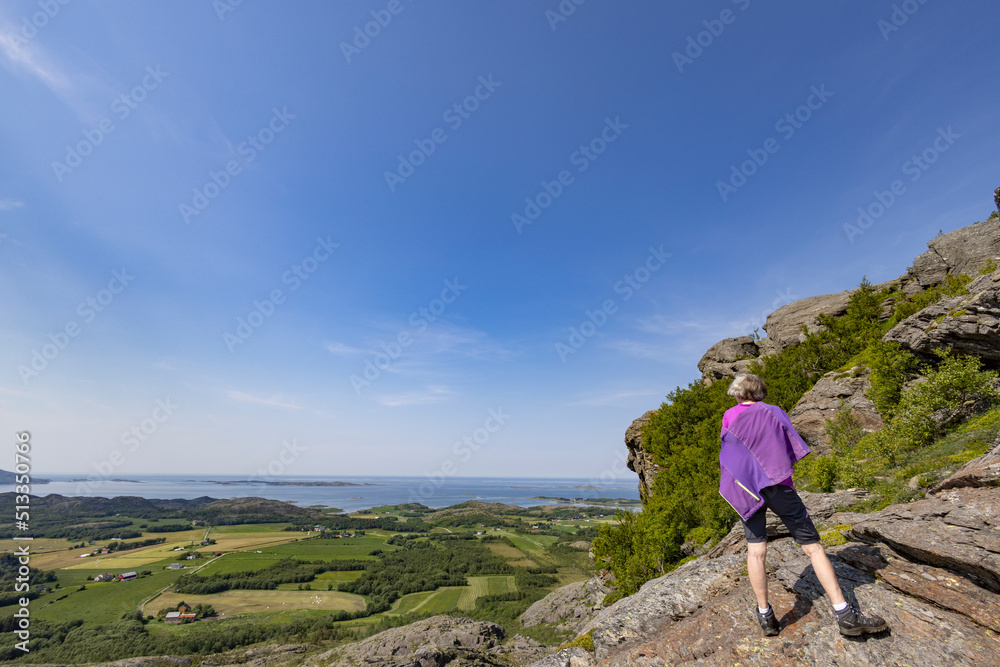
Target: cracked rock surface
[931, 568]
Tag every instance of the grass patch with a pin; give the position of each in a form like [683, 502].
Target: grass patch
[487, 585]
[443, 600]
[408, 603]
[230, 603]
[332, 549]
[586, 642]
[835, 535]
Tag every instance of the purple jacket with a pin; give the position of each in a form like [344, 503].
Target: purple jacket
[758, 450]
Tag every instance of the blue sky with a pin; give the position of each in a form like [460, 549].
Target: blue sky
[217, 216]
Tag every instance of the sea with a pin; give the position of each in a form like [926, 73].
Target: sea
[358, 493]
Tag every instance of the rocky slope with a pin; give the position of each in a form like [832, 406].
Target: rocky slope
[568, 608]
[440, 640]
[931, 568]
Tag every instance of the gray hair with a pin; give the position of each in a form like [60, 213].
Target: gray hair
[747, 387]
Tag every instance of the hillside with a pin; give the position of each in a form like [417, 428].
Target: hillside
[7, 477]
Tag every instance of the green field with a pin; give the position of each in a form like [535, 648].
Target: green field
[100, 602]
[408, 603]
[230, 603]
[451, 598]
[329, 549]
[237, 562]
[335, 577]
[443, 600]
[251, 528]
[491, 585]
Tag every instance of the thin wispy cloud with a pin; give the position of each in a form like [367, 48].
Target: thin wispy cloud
[615, 398]
[342, 350]
[654, 351]
[20, 55]
[430, 394]
[10, 204]
[268, 402]
[660, 324]
[438, 344]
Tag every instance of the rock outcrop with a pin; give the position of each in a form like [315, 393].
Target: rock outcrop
[639, 460]
[969, 324]
[964, 250]
[727, 358]
[568, 608]
[930, 568]
[832, 392]
[983, 471]
[436, 641]
[784, 326]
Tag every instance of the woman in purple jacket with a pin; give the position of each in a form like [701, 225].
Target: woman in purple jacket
[759, 447]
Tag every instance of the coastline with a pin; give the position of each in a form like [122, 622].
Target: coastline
[352, 494]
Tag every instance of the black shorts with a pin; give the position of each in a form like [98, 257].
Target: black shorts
[785, 502]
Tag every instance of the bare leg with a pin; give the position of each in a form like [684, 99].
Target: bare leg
[756, 555]
[824, 572]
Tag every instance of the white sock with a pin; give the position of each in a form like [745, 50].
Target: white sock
[840, 607]
[765, 610]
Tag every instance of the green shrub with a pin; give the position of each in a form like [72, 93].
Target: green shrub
[844, 430]
[585, 641]
[825, 470]
[891, 368]
[945, 396]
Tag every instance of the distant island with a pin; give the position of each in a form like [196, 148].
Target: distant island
[269, 483]
[11, 478]
[588, 501]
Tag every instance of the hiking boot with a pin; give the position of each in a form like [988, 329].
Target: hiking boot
[768, 623]
[853, 623]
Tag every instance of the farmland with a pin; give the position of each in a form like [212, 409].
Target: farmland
[440, 561]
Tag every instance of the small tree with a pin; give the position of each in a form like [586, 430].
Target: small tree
[945, 396]
[891, 368]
